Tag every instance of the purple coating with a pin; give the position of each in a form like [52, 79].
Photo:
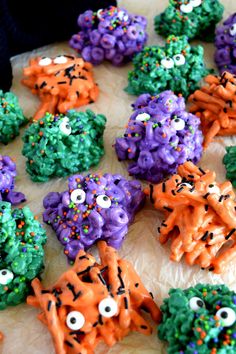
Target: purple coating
[225, 42]
[165, 138]
[79, 225]
[111, 34]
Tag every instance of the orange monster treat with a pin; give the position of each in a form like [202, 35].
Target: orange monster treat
[215, 105]
[94, 302]
[62, 83]
[200, 217]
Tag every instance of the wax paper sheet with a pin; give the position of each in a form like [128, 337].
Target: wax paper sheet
[23, 332]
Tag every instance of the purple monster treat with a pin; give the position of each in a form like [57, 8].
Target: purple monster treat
[225, 42]
[111, 34]
[95, 207]
[159, 137]
[7, 182]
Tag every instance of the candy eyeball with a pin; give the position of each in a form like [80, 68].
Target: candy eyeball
[177, 123]
[179, 59]
[168, 63]
[123, 16]
[75, 320]
[65, 127]
[45, 61]
[99, 13]
[108, 307]
[143, 117]
[196, 303]
[6, 276]
[195, 3]
[61, 59]
[212, 188]
[103, 201]
[227, 316]
[78, 196]
[232, 30]
[185, 185]
[186, 8]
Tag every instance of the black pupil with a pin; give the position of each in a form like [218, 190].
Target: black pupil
[178, 57]
[105, 198]
[200, 303]
[67, 126]
[4, 272]
[107, 309]
[73, 320]
[211, 185]
[168, 59]
[224, 314]
[79, 197]
[177, 119]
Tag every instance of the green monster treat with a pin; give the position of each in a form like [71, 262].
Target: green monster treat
[177, 67]
[199, 320]
[229, 161]
[193, 18]
[11, 117]
[21, 253]
[63, 145]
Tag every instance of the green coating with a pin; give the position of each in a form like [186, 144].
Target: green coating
[21, 252]
[11, 117]
[199, 331]
[57, 147]
[151, 76]
[229, 161]
[199, 23]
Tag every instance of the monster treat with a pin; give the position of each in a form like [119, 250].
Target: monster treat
[193, 18]
[111, 34]
[21, 253]
[177, 66]
[59, 145]
[229, 161]
[225, 42]
[200, 217]
[94, 302]
[61, 83]
[215, 105]
[95, 207]
[199, 320]
[160, 135]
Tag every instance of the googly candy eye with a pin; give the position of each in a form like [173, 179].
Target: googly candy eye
[212, 188]
[78, 196]
[185, 185]
[168, 63]
[227, 316]
[103, 201]
[177, 124]
[186, 8]
[6, 276]
[195, 3]
[123, 16]
[65, 127]
[143, 117]
[195, 303]
[75, 320]
[61, 59]
[108, 307]
[179, 59]
[232, 30]
[45, 61]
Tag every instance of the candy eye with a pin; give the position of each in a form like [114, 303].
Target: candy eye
[212, 188]
[232, 30]
[6, 276]
[103, 201]
[178, 124]
[99, 13]
[108, 307]
[186, 8]
[179, 59]
[65, 127]
[227, 316]
[78, 196]
[196, 303]
[122, 16]
[61, 59]
[186, 185]
[75, 320]
[195, 3]
[143, 117]
[168, 63]
[45, 61]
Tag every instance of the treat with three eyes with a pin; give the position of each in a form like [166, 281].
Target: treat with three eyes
[111, 34]
[94, 302]
[21, 253]
[177, 66]
[215, 105]
[160, 135]
[62, 83]
[193, 18]
[200, 217]
[199, 320]
[59, 145]
[95, 207]
[225, 42]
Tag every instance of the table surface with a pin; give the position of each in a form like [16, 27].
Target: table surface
[23, 332]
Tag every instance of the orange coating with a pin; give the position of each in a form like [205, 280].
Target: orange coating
[1, 337]
[121, 283]
[60, 86]
[200, 217]
[215, 105]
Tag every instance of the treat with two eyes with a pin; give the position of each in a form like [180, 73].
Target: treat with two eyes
[193, 18]
[177, 66]
[199, 320]
[200, 217]
[95, 207]
[94, 302]
[111, 34]
[21, 253]
[62, 83]
[160, 135]
[59, 145]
